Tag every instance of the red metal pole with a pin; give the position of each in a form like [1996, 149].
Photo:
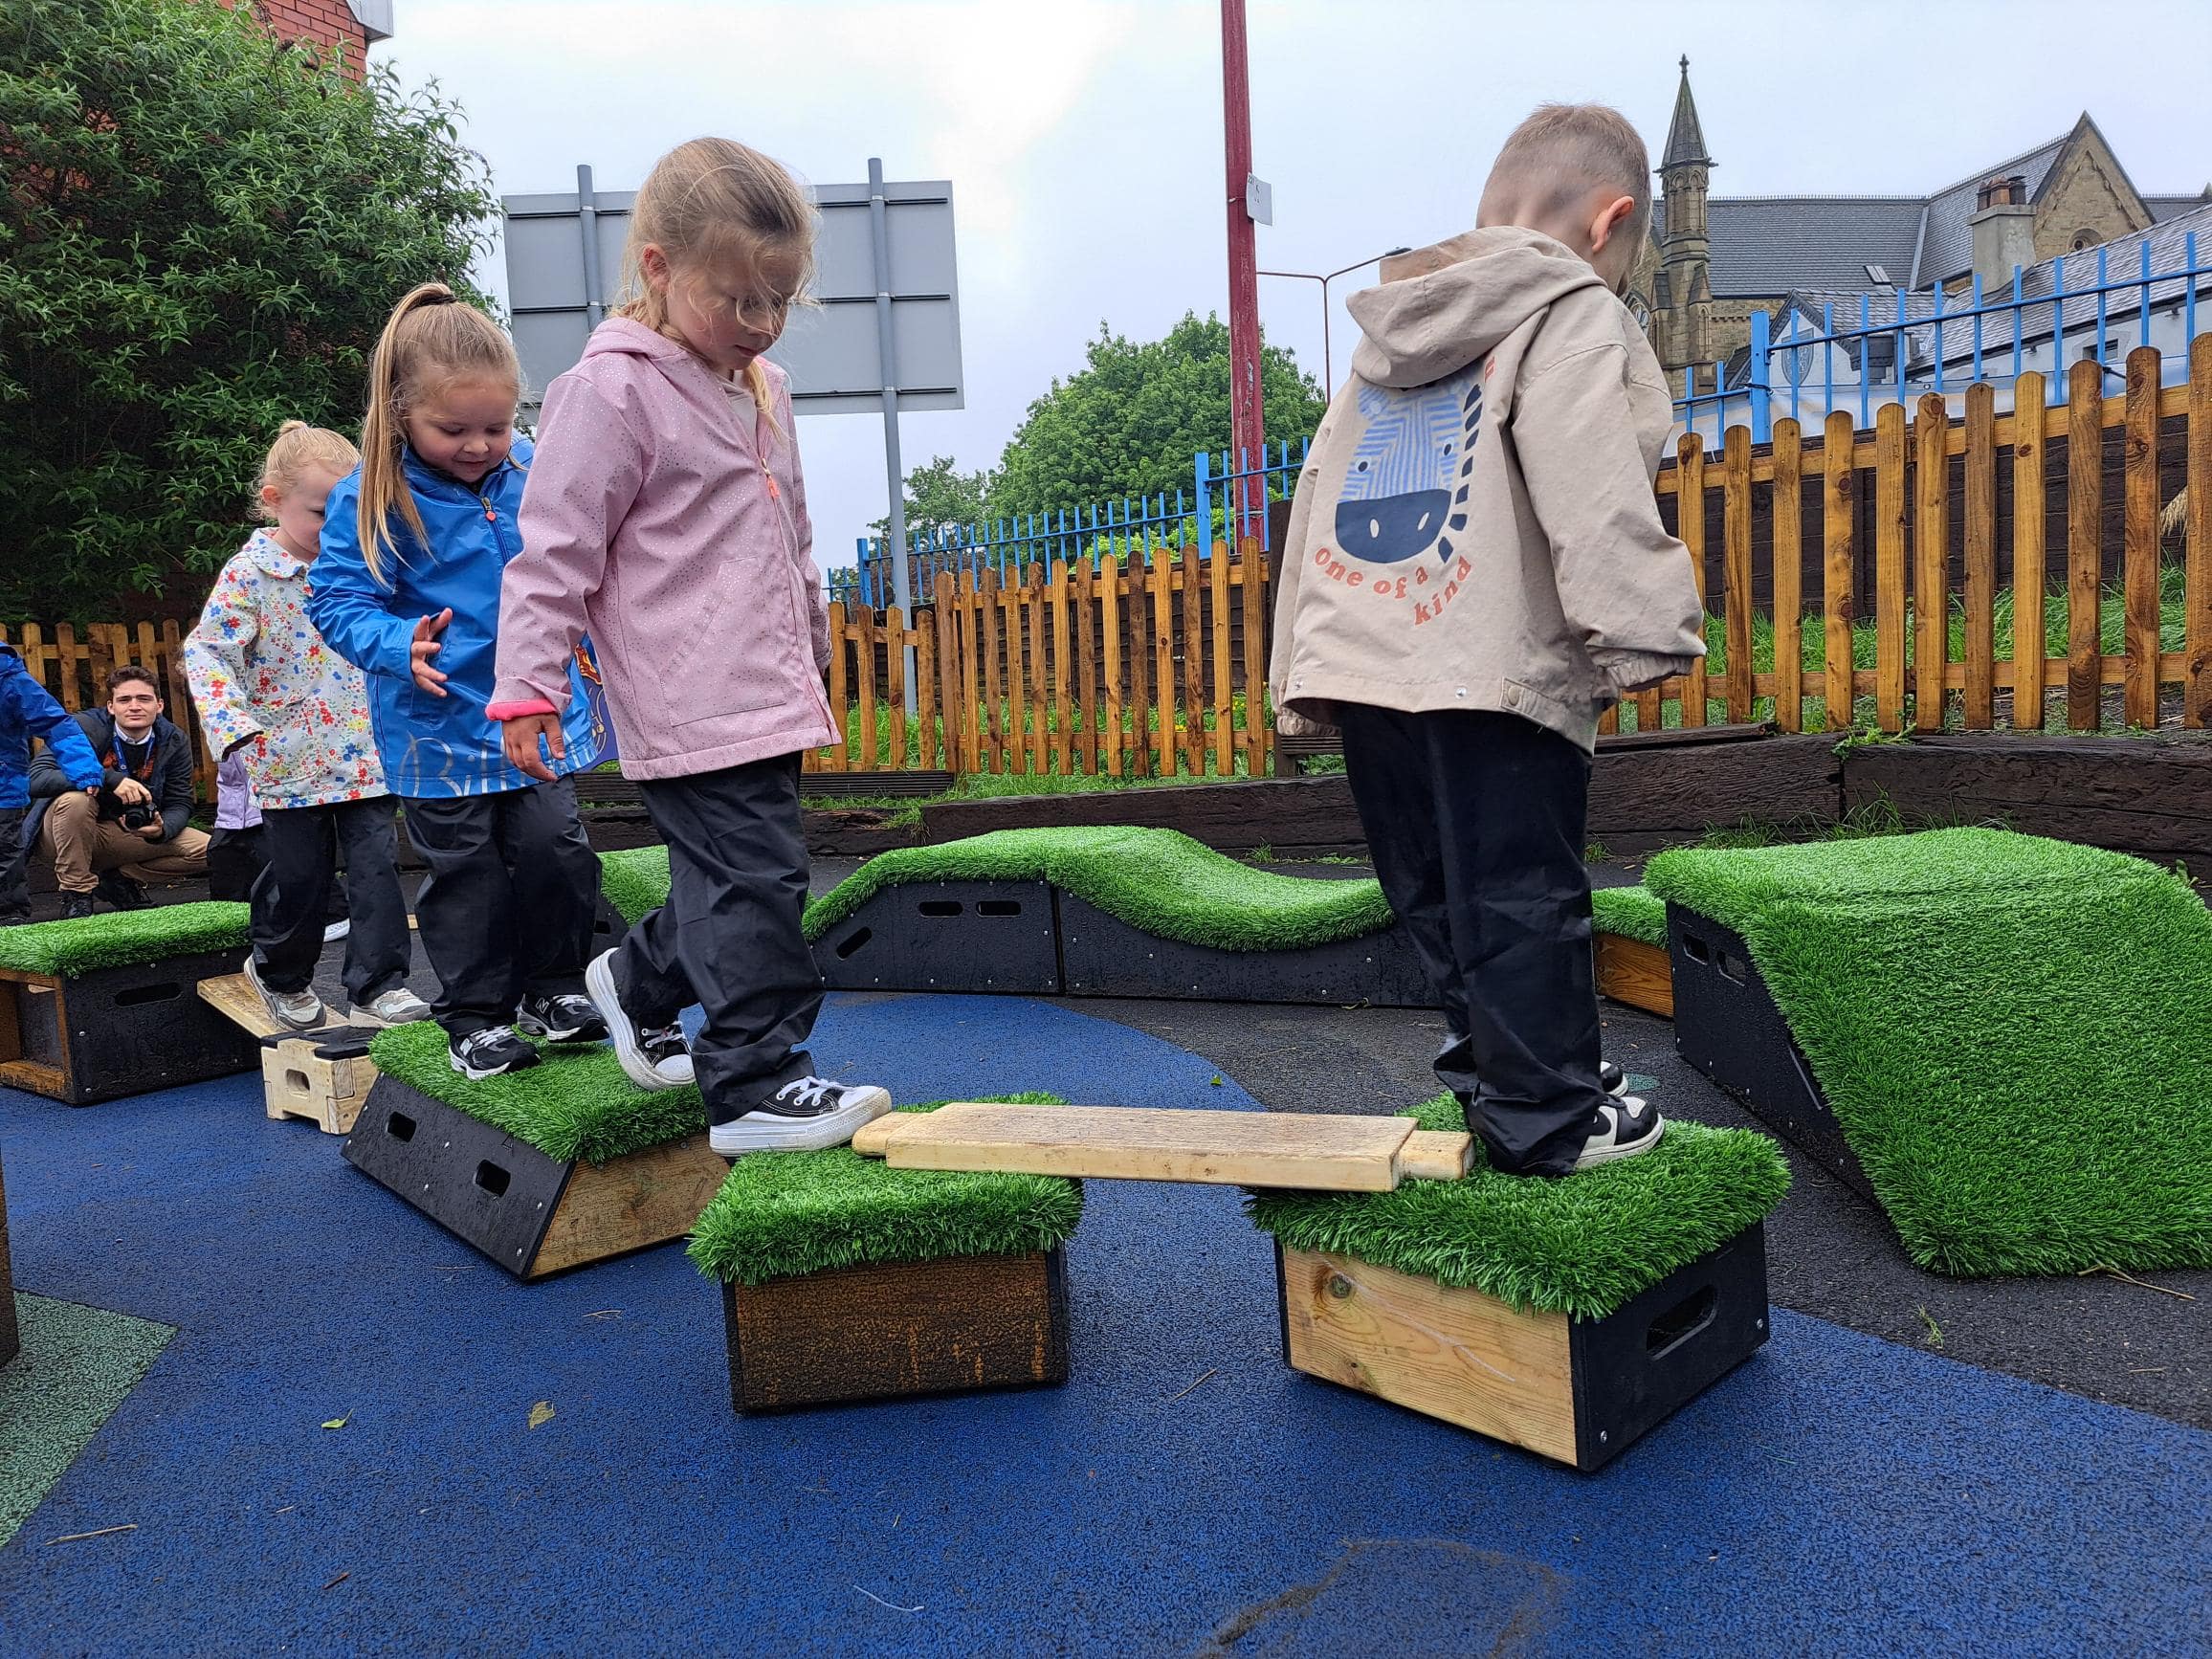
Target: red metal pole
[1248, 431]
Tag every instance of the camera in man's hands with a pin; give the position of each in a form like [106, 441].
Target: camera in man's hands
[138, 816]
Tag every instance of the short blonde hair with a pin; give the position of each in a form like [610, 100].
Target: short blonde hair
[1564, 150]
[298, 447]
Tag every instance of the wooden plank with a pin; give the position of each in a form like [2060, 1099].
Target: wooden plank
[2028, 551]
[1224, 705]
[66, 652]
[1890, 603]
[925, 692]
[2197, 527]
[1191, 637]
[1436, 1155]
[1736, 568]
[1639, 974]
[833, 758]
[2139, 541]
[1014, 616]
[1137, 655]
[971, 755]
[1787, 506]
[1036, 617]
[895, 640]
[1690, 462]
[1110, 633]
[626, 1204]
[994, 714]
[234, 998]
[1258, 722]
[865, 634]
[1979, 707]
[1930, 563]
[1085, 667]
[1061, 589]
[1452, 1354]
[1839, 603]
[1311, 1151]
[1163, 657]
[2084, 520]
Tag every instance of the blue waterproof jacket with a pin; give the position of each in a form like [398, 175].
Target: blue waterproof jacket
[29, 710]
[432, 745]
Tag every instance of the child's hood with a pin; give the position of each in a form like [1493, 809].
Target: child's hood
[626, 337]
[1471, 291]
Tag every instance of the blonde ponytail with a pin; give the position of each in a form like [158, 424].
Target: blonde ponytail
[429, 339]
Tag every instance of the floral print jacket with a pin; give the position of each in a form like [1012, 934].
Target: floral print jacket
[260, 672]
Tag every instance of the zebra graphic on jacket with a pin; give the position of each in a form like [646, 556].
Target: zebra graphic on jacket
[1399, 497]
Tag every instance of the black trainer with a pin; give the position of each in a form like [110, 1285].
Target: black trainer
[1627, 1126]
[803, 1115]
[489, 1053]
[567, 1018]
[122, 891]
[78, 906]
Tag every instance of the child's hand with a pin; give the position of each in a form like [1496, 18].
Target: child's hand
[520, 737]
[425, 646]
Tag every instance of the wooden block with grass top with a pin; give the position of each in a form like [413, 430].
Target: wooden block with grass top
[1567, 1316]
[844, 1280]
[103, 1005]
[1633, 968]
[322, 1076]
[554, 1167]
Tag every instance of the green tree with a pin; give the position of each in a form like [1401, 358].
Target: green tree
[1128, 423]
[201, 234]
[941, 497]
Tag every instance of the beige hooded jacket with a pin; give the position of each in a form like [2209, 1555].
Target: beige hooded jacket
[1475, 526]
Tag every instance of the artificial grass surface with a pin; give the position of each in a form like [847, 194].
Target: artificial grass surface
[122, 937]
[1582, 1245]
[634, 880]
[1632, 912]
[2015, 1034]
[574, 1104]
[1160, 881]
[786, 1213]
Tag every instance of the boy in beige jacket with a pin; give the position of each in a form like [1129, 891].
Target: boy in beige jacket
[1476, 568]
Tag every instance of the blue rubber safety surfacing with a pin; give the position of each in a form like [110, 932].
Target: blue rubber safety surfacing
[1835, 1494]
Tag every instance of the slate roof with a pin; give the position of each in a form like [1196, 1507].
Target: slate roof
[1948, 248]
[2166, 207]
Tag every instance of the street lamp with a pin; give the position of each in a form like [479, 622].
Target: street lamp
[1328, 376]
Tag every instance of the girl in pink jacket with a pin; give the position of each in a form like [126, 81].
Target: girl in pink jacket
[666, 516]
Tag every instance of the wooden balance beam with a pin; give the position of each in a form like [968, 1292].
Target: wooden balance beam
[1313, 1151]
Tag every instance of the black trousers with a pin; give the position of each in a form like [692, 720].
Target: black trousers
[729, 937]
[302, 847]
[1476, 822]
[15, 885]
[507, 907]
[234, 863]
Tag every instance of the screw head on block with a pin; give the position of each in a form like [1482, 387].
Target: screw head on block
[1340, 1286]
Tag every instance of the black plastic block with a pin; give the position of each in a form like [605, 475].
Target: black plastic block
[124, 1030]
[1727, 1025]
[947, 936]
[1105, 957]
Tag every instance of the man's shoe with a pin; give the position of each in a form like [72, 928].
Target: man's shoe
[396, 1007]
[1630, 1125]
[14, 917]
[78, 906]
[566, 1018]
[803, 1115]
[489, 1054]
[122, 891]
[302, 1010]
[652, 1058]
[1613, 1079]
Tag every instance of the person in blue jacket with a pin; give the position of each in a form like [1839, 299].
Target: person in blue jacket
[407, 587]
[27, 710]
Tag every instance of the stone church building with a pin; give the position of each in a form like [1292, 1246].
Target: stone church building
[1711, 261]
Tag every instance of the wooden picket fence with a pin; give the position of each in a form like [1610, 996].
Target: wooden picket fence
[1138, 668]
[74, 666]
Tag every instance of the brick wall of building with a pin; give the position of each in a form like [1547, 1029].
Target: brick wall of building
[323, 23]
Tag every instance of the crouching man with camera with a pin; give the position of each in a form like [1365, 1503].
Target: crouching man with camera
[107, 846]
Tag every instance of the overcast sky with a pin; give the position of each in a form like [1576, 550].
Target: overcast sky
[1083, 137]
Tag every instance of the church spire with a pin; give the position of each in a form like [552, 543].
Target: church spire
[1684, 137]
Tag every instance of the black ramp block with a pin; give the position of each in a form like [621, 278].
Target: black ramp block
[1105, 957]
[129, 1030]
[947, 936]
[1727, 1025]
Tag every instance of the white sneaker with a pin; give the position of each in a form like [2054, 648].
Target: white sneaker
[651, 1057]
[803, 1115]
[396, 1007]
[1631, 1126]
[302, 1010]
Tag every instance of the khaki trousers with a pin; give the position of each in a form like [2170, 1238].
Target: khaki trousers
[83, 848]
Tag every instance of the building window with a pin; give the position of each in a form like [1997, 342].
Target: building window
[2085, 240]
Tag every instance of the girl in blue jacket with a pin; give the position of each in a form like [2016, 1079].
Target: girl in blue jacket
[27, 710]
[408, 589]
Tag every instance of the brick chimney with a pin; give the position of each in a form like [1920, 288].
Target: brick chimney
[2003, 224]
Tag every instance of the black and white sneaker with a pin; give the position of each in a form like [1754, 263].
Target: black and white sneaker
[1630, 1125]
[489, 1052]
[567, 1018]
[803, 1115]
[651, 1057]
[1613, 1079]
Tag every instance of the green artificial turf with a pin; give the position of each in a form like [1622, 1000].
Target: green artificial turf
[634, 880]
[1632, 912]
[574, 1104]
[122, 937]
[1159, 881]
[1582, 1244]
[2015, 1034]
[786, 1213]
